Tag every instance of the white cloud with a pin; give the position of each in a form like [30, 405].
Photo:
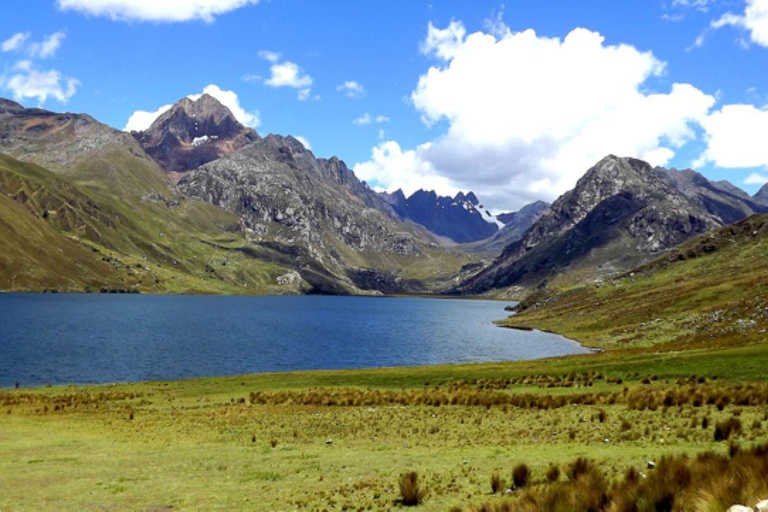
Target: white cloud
[304, 94]
[735, 137]
[37, 50]
[368, 119]
[363, 120]
[699, 5]
[26, 80]
[527, 115]
[389, 164]
[304, 142]
[141, 119]
[754, 20]
[287, 74]
[15, 42]
[444, 43]
[30, 83]
[756, 179]
[155, 10]
[48, 46]
[270, 56]
[352, 89]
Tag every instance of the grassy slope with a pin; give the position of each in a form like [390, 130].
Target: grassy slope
[118, 239]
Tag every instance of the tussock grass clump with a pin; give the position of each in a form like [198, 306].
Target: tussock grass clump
[709, 482]
[553, 474]
[411, 494]
[497, 484]
[580, 466]
[724, 429]
[521, 475]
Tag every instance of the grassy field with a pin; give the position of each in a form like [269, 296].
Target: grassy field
[340, 440]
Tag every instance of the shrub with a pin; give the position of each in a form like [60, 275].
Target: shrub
[273, 443]
[520, 475]
[410, 491]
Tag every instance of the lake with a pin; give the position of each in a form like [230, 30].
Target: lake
[62, 339]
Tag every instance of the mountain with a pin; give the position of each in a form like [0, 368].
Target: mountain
[192, 133]
[319, 212]
[708, 293]
[720, 198]
[90, 209]
[621, 213]
[515, 226]
[461, 219]
[272, 219]
[761, 197]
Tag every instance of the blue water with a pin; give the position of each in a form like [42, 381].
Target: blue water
[61, 339]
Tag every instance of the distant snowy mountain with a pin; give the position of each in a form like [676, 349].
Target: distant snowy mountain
[462, 218]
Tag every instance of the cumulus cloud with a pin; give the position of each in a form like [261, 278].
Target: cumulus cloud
[527, 115]
[735, 136]
[15, 42]
[141, 119]
[756, 179]
[167, 11]
[26, 80]
[287, 74]
[43, 49]
[389, 164]
[48, 46]
[754, 20]
[30, 83]
[352, 89]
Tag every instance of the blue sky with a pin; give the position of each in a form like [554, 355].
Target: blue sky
[123, 65]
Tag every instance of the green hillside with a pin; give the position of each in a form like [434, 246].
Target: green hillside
[89, 236]
[709, 292]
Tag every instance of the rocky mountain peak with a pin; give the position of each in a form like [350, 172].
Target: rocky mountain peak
[193, 132]
[621, 212]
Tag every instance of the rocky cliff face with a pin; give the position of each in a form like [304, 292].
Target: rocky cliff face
[193, 133]
[461, 219]
[621, 212]
[286, 196]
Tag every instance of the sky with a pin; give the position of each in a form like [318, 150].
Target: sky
[512, 100]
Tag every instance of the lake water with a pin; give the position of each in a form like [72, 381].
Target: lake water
[61, 339]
